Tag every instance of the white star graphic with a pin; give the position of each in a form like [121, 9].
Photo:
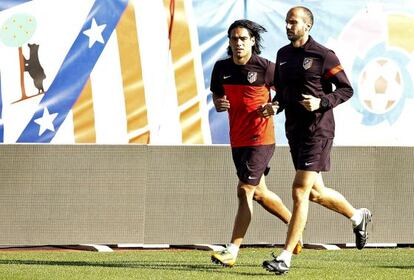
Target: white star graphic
[95, 33]
[46, 121]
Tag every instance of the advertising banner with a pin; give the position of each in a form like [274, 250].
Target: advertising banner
[138, 72]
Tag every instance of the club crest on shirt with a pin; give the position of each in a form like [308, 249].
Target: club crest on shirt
[307, 63]
[252, 77]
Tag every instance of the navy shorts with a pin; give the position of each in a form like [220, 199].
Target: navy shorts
[252, 162]
[311, 154]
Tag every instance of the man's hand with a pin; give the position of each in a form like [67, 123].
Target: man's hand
[310, 102]
[267, 110]
[221, 103]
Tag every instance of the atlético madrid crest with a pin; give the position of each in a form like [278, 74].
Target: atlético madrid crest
[252, 77]
[307, 63]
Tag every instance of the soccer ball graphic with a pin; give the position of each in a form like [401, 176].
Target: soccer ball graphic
[380, 85]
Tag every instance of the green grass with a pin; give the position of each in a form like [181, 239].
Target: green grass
[193, 264]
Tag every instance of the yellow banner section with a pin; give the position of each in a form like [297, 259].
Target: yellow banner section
[136, 110]
[399, 34]
[83, 116]
[184, 72]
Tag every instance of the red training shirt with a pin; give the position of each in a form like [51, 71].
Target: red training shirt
[246, 87]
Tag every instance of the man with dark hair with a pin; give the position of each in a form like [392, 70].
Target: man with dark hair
[241, 85]
[254, 31]
[304, 75]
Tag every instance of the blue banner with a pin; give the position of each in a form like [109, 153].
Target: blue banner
[74, 72]
[7, 4]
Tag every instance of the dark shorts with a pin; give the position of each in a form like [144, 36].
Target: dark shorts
[312, 154]
[252, 162]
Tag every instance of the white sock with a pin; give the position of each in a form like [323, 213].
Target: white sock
[356, 219]
[233, 249]
[285, 256]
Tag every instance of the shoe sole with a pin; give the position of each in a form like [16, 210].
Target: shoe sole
[217, 261]
[271, 269]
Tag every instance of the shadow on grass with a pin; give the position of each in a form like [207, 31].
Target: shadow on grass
[397, 266]
[142, 265]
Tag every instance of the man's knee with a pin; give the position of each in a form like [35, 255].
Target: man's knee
[299, 194]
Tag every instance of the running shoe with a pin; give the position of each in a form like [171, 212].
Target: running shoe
[276, 266]
[224, 258]
[361, 234]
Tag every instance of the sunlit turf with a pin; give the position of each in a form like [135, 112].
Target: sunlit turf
[194, 264]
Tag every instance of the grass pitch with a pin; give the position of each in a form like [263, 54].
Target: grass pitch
[193, 264]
